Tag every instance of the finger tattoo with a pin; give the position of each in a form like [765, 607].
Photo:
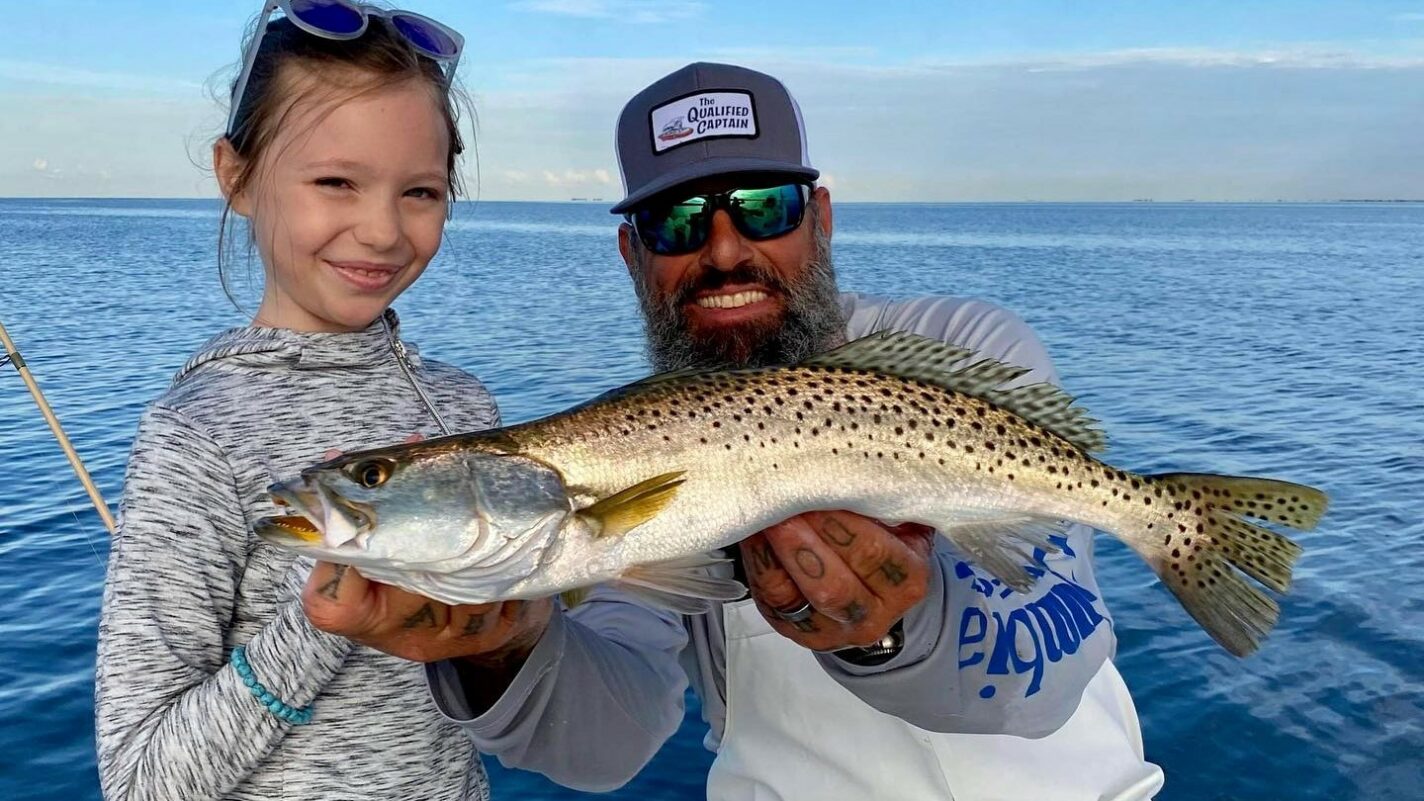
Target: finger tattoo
[425, 616]
[329, 588]
[810, 563]
[762, 557]
[855, 611]
[894, 572]
[838, 533]
[475, 624]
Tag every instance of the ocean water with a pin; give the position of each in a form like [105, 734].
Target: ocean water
[1281, 340]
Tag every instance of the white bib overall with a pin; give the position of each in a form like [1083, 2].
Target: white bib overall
[793, 734]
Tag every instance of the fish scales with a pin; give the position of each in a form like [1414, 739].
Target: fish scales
[761, 440]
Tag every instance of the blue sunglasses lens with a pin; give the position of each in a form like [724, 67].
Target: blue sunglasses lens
[337, 18]
[425, 36]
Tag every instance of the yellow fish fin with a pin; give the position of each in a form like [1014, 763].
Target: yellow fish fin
[622, 512]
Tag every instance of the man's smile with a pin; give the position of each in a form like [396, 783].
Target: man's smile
[732, 306]
[732, 300]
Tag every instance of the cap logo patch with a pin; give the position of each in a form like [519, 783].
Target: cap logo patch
[708, 115]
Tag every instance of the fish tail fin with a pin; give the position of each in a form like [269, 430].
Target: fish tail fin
[1205, 547]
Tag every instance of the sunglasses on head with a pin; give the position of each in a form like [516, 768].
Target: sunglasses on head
[672, 229]
[343, 20]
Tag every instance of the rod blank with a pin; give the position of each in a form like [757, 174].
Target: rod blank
[12, 355]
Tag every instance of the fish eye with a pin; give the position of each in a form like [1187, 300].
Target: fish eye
[371, 473]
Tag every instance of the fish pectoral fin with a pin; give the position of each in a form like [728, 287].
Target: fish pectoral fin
[688, 586]
[626, 510]
[1003, 545]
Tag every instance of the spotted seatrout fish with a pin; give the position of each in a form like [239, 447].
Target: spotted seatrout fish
[641, 485]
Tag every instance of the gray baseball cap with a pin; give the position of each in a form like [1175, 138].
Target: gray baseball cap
[708, 119]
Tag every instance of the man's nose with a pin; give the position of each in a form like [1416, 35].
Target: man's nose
[726, 248]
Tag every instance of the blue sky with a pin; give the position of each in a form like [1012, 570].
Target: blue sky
[919, 100]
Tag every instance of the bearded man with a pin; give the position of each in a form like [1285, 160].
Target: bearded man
[871, 660]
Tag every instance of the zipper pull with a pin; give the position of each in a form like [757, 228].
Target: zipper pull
[403, 362]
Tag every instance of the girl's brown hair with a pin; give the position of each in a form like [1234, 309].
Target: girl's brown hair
[380, 57]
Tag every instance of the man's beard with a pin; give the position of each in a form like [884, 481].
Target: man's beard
[812, 322]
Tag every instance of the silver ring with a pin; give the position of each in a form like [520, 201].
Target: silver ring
[802, 613]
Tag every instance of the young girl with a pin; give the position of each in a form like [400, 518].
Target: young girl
[211, 681]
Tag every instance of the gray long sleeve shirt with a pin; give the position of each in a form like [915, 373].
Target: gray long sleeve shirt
[188, 582]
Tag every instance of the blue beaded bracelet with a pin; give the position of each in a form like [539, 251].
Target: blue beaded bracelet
[274, 704]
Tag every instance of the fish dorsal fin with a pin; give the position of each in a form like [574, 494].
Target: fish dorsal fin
[626, 510]
[653, 380]
[918, 358]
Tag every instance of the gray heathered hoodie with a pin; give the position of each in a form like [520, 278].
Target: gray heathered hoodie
[188, 582]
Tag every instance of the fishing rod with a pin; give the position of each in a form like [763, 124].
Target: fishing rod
[11, 355]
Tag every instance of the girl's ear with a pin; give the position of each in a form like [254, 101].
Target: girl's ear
[227, 165]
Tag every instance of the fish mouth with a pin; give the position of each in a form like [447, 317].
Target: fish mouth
[292, 531]
[324, 518]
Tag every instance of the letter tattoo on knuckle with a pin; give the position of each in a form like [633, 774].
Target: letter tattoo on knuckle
[894, 572]
[837, 533]
[475, 625]
[762, 557]
[805, 626]
[328, 590]
[425, 616]
[810, 563]
[855, 611]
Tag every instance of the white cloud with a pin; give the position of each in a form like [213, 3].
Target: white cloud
[636, 11]
[1297, 122]
[1294, 123]
[51, 145]
[827, 54]
[50, 74]
[1295, 57]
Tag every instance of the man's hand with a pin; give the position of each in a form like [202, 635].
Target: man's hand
[858, 575]
[497, 636]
